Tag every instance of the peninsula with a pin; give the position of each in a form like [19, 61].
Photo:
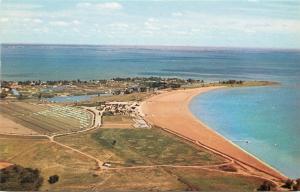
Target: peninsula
[124, 126]
[170, 111]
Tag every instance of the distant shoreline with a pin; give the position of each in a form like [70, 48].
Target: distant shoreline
[166, 47]
[170, 110]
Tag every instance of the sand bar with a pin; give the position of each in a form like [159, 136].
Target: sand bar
[170, 110]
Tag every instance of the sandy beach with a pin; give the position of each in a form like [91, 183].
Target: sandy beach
[170, 110]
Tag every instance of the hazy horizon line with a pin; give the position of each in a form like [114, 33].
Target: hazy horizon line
[160, 46]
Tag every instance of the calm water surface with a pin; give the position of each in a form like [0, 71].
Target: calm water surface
[264, 121]
[76, 98]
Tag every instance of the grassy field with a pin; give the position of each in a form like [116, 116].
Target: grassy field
[46, 119]
[140, 147]
[180, 179]
[149, 179]
[77, 172]
[50, 159]
[206, 180]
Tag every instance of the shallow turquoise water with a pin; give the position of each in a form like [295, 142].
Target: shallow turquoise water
[267, 117]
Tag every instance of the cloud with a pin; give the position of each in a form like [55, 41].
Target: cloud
[37, 21]
[76, 22]
[26, 19]
[182, 32]
[110, 6]
[59, 23]
[19, 6]
[152, 24]
[233, 23]
[177, 14]
[119, 25]
[75, 29]
[42, 29]
[65, 23]
[83, 5]
[103, 19]
[4, 19]
[31, 20]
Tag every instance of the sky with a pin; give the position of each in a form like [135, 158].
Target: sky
[217, 23]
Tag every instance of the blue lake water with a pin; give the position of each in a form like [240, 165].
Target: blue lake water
[74, 98]
[267, 117]
[77, 98]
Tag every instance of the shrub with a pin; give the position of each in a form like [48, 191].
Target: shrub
[288, 184]
[296, 187]
[266, 186]
[228, 168]
[18, 178]
[53, 179]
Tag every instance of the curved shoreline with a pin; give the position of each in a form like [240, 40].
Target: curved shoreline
[170, 110]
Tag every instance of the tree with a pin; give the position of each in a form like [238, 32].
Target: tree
[17, 178]
[288, 184]
[3, 94]
[53, 179]
[266, 186]
[296, 187]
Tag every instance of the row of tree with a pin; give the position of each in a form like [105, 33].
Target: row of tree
[290, 184]
[18, 178]
[231, 82]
